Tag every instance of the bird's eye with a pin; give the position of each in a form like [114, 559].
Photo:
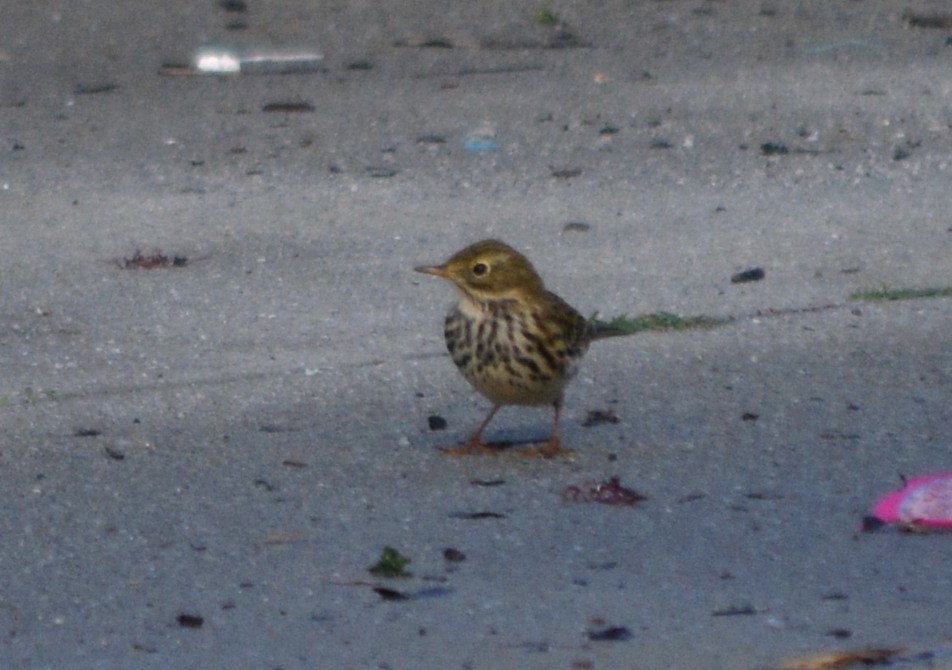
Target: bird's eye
[480, 269]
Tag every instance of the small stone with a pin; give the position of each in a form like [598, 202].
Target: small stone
[453, 555]
[753, 274]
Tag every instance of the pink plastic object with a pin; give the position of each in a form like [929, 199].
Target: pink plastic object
[925, 501]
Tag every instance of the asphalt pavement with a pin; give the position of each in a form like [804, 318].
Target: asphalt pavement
[223, 387]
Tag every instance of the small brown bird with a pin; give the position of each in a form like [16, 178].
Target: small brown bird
[514, 341]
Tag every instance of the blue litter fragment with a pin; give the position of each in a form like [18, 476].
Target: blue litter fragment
[481, 144]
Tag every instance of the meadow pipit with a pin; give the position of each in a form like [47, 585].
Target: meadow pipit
[514, 341]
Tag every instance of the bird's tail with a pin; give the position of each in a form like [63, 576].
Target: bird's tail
[596, 329]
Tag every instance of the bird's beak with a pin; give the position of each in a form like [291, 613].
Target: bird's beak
[438, 270]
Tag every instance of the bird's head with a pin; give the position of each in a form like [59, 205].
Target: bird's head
[489, 270]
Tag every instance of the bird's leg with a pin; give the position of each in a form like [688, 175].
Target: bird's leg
[553, 446]
[474, 445]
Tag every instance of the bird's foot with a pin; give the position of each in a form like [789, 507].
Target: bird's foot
[470, 447]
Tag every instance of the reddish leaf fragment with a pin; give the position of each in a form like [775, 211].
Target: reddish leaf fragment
[606, 493]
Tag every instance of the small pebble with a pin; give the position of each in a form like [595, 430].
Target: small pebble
[190, 620]
[453, 555]
[576, 227]
[774, 149]
[610, 634]
[753, 274]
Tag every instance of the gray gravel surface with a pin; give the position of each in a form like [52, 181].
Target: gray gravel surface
[199, 463]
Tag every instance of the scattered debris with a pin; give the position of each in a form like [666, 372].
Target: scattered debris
[422, 594]
[610, 492]
[763, 495]
[740, 610]
[431, 139]
[576, 227]
[275, 428]
[691, 497]
[468, 516]
[264, 484]
[610, 634]
[753, 274]
[454, 555]
[190, 620]
[749, 416]
[390, 594]
[288, 107]
[424, 42]
[834, 595]
[380, 171]
[436, 422]
[114, 453]
[391, 564]
[87, 432]
[93, 89]
[872, 524]
[487, 482]
[565, 173]
[902, 152]
[226, 59]
[597, 417]
[923, 501]
[482, 139]
[774, 149]
[138, 261]
[291, 463]
[942, 21]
